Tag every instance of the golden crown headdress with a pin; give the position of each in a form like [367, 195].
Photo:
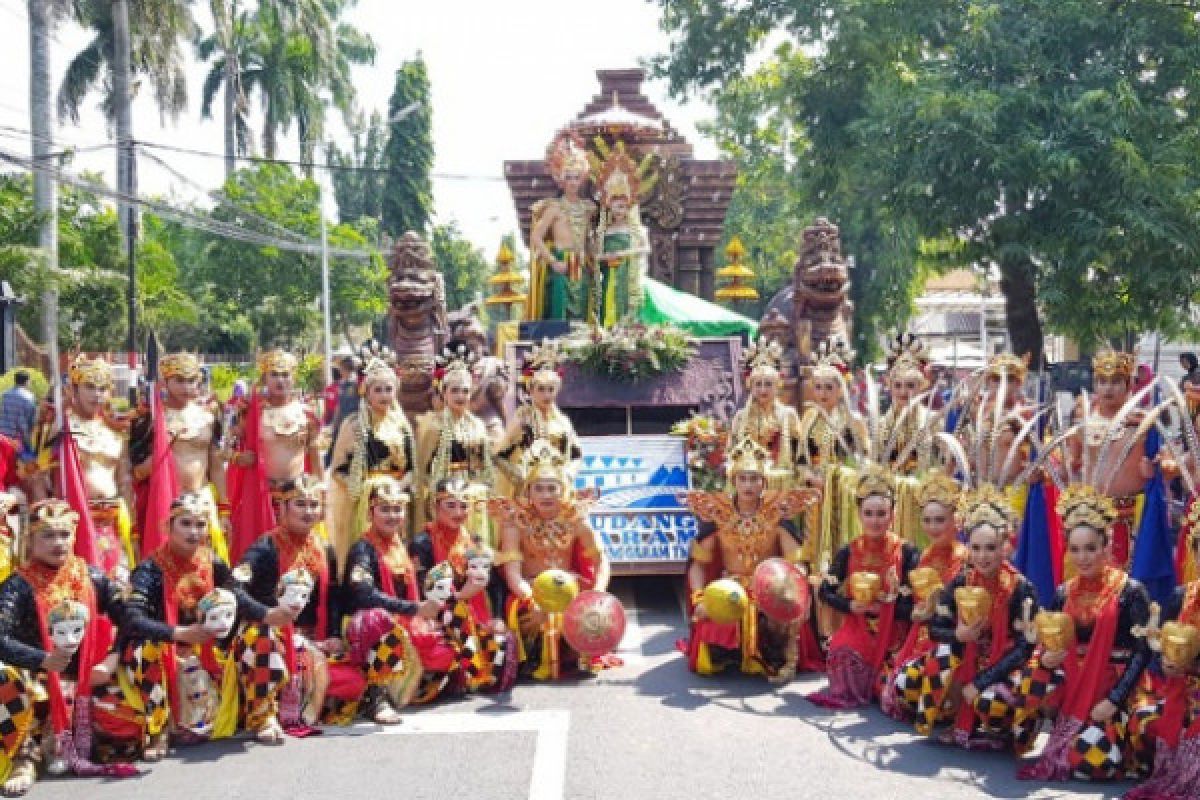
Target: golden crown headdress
[179, 365]
[297, 576]
[66, 609]
[92, 371]
[1009, 365]
[196, 504]
[1081, 504]
[276, 360]
[437, 573]
[377, 360]
[987, 505]
[907, 353]
[747, 456]
[618, 175]
[542, 362]
[385, 490]
[833, 358]
[544, 462]
[216, 597]
[454, 487]
[302, 486]
[940, 488]
[875, 480]
[454, 367]
[1110, 363]
[762, 358]
[566, 154]
[52, 514]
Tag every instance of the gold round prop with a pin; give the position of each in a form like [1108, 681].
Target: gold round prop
[554, 589]
[724, 601]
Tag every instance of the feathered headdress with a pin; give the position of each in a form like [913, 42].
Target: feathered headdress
[762, 358]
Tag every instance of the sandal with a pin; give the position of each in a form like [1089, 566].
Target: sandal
[386, 714]
[270, 733]
[20, 779]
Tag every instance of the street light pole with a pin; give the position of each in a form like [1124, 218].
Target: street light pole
[325, 300]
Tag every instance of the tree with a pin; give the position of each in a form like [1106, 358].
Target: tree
[1026, 137]
[228, 48]
[408, 194]
[464, 266]
[359, 186]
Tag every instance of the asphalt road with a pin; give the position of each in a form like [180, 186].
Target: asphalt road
[649, 729]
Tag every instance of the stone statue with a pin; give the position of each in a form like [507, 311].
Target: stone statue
[416, 320]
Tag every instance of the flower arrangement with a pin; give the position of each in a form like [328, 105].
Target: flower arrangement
[631, 352]
[706, 437]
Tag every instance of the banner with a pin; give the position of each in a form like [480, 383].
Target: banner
[639, 519]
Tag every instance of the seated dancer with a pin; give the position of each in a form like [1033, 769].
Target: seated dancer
[545, 528]
[479, 592]
[737, 532]
[869, 583]
[292, 562]
[51, 638]
[1090, 656]
[184, 670]
[1164, 728]
[376, 440]
[538, 419]
[980, 633]
[940, 563]
[381, 592]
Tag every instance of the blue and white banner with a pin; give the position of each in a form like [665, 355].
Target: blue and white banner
[639, 517]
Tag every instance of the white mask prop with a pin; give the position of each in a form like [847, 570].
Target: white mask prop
[218, 610]
[68, 623]
[439, 583]
[295, 589]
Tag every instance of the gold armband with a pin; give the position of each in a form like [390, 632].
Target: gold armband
[508, 557]
[697, 596]
[701, 556]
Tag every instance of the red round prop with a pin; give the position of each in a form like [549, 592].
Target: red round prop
[594, 623]
[781, 591]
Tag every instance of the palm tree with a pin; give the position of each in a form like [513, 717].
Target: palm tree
[228, 46]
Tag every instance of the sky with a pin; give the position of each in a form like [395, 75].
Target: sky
[504, 76]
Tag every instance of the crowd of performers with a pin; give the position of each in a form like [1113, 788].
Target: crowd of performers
[996, 573]
[187, 573]
[1000, 574]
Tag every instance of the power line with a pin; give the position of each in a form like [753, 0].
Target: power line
[311, 165]
[186, 218]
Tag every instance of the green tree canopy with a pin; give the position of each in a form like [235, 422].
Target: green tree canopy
[408, 193]
[464, 266]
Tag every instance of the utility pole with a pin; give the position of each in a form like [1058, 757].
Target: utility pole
[126, 168]
[45, 190]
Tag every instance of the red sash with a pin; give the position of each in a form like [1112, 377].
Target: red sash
[1175, 689]
[449, 544]
[185, 582]
[309, 554]
[250, 507]
[1001, 590]
[879, 557]
[1088, 678]
[71, 581]
[948, 560]
[387, 582]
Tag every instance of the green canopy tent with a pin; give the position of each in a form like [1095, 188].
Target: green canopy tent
[663, 305]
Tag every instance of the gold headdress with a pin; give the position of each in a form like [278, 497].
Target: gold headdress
[276, 360]
[454, 487]
[875, 480]
[303, 486]
[544, 462]
[378, 361]
[940, 488]
[987, 505]
[907, 354]
[179, 365]
[616, 174]
[66, 609]
[833, 359]
[762, 358]
[196, 504]
[1109, 363]
[384, 489]
[1011, 366]
[747, 456]
[437, 573]
[94, 372]
[566, 155]
[216, 597]
[454, 367]
[542, 363]
[1191, 523]
[52, 514]
[1083, 505]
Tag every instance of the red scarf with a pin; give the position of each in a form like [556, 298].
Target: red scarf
[309, 554]
[51, 586]
[1001, 588]
[387, 583]
[948, 559]
[449, 544]
[250, 512]
[1095, 601]
[878, 556]
[185, 582]
[1175, 688]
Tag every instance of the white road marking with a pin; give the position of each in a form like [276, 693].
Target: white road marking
[547, 780]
